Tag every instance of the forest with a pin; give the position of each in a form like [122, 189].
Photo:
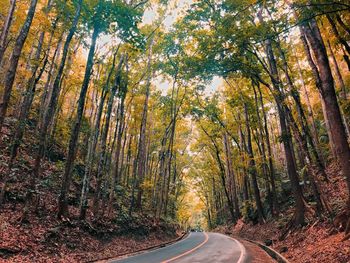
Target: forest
[143, 118]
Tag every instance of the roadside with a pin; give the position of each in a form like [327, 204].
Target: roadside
[312, 244]
[44, 238]
[318, 241]
[47, 240]
[255, 254]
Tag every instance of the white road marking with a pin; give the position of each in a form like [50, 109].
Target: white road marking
[243, 250]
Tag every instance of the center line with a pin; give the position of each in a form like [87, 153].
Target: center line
[189, 251]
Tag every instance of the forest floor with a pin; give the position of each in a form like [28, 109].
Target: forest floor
[318, 241]
[44, 238]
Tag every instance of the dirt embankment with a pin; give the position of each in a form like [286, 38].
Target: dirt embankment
[319, 241]
[44, 238]
[312, 244]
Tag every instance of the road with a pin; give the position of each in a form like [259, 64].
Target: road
[196, 247]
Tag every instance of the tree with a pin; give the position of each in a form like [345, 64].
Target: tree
[6, 28]
[15, 56]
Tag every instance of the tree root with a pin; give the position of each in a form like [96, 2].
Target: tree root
[342, 222]
[320, 195]
[293, 224]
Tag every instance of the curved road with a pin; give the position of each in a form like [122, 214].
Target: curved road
[196, 247]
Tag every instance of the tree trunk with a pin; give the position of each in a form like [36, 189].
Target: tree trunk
[337, 72]
[222, 174]
[336, 33]
[269, 152]
[337, 129]
[342, 97]
[141, 153]
[305, 134]
[312, 169]
[90, 158]
[16, 54]
[318, 83]
[128, 162]
[231, 176]
[48, 116]
[285, 135]
[117, 167]
[103, 143]
[27, 103]
[73, 142]
[92, 145]
[46, 93]
[6, 28]
[342, 24]
[252, 168]
[31, 88]
[162, 174]
[271, 196]
[310, 112]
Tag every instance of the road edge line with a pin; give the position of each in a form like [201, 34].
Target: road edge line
[243, 256]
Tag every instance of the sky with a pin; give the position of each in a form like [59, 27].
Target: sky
[175, 7]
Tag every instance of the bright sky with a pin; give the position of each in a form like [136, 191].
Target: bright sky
[175, 7]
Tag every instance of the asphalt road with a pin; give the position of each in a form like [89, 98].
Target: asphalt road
[197, 247]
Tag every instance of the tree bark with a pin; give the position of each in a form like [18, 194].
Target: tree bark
[16, 54]
[342, 24]
[49, 114]
[327, 90]
[31, 88]
[318, 83]
[222, 174]
[271, 192]
[252, 168]
[310, 112]
[103, 142]
[337, 72]
[73, 142]
[141, 153]
[92, 145]
[117, 166]
[231, 176]
[299, 216]
[27, 103]
[305, 134]
[6, 29]
[336, 33]
[342, 97]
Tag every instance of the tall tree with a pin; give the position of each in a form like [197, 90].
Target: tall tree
[141, 152]
[326, 88]
[13, 61]
[73, 142]
[6, 28]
